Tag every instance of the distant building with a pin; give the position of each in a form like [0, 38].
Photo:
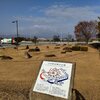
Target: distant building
[42, 39]
[6, 40]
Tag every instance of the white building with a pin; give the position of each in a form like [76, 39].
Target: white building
[6, 40]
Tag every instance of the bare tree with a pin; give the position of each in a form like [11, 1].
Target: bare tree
[69, 38]
[56, 38]
[85, 30]
[35, 39]
[98, 35]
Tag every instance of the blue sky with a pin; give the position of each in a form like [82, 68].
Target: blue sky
[46, 17]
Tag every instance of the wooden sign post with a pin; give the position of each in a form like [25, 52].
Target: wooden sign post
[54, 81]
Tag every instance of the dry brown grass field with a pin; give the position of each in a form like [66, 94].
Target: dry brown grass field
[18, 74]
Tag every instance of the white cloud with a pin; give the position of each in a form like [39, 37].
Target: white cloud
[87, 12]
[34, 8]
[57, 19]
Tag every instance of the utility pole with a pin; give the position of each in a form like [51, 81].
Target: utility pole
[16, 21]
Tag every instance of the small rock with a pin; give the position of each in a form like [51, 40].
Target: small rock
[50, 55]
[5, 57]
[27, 55]
[27, 47]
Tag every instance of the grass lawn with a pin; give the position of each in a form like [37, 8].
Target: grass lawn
[20, 73]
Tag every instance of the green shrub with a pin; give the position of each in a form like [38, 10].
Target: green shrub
[64, 51]
[83, 48]
[57, 47]
[64, 44]
[35, 49]
[67, 48]
[76, 48]
[80, 48]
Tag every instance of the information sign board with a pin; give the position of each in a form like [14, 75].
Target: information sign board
[54, 79]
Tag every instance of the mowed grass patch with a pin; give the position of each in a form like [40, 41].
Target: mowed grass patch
[87, 76]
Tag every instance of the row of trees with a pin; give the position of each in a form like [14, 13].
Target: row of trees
[84, 31]
[68, 38]
[55, 38]
[19, 39]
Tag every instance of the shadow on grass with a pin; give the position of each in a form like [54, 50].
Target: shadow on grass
[78, 95]
[14, 90]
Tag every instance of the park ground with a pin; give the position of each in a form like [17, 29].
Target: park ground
[20, 73]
